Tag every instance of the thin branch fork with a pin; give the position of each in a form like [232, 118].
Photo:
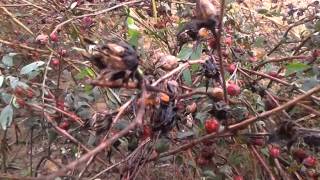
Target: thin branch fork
[233, 127]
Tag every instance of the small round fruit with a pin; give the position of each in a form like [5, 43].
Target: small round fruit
[54, 37]
[201, 161]
[228, 41]
[231, 68]
[191, 108]
[274, 152]
[19, 91]
[257, 141]
[238, 177]
[29, 93]
[310, 161]
[64, 125]
[62, 52]
[147, 131]
[212, 125]
[212, 43]
[299, 154]
[233, 90]
[55, 61]
[21, 102]
[217, 93]
[253, 59]
[273, 74]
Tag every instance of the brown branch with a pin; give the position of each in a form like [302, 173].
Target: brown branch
[239, 125]
[16, 20]
[263, 162]
[94, 14]
[277, 60]
[23, 46]
[177, 69]
[275, 110]
[224, 86]
[71, 138]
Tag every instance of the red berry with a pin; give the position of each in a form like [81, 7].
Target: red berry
[87, 21]
[238, 177]
[299, 154]
[55, 61]
[19, 91]
[253, 59]
[147, 131]
[257, 141]
[274, 152]
[228, 41]
[29, 93]
[233, 90]
[54, 37]
[316, 53]
[212, 125]
[21, 102]
[60, 104]
[231, 68]
[212, 43]
[62, 52]
[201, 161]
[273, 73]
[309, 161]
[64, 125]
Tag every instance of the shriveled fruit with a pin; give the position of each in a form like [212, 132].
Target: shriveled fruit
[147, 131]
[231, 68]
[201, 161]
[217, 93]
[299, 154]
[168, 62]
[273, 74]
[191, 108]
[164, 97]
[274, 152]
[212, 125]
[257, 141]
[64, 125]
[233, 90]
[228, 41]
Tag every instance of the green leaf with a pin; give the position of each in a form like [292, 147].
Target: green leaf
[185, 52]
[6, 117]
[8, 59]
[262, 11]
[185, 135]
[186, 74]
[197, 53]
[295, 67]
[317, 26]
[1, 80]
[133, 30]
[31, 67]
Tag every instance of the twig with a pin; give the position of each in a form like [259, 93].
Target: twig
[23, 46]
[275, 110]
[94, 14]
[16, 20]
[263, 163]
[224, 86]
[279, 60]
[179, 68]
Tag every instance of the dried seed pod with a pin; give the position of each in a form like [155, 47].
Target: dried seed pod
[207, 9]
